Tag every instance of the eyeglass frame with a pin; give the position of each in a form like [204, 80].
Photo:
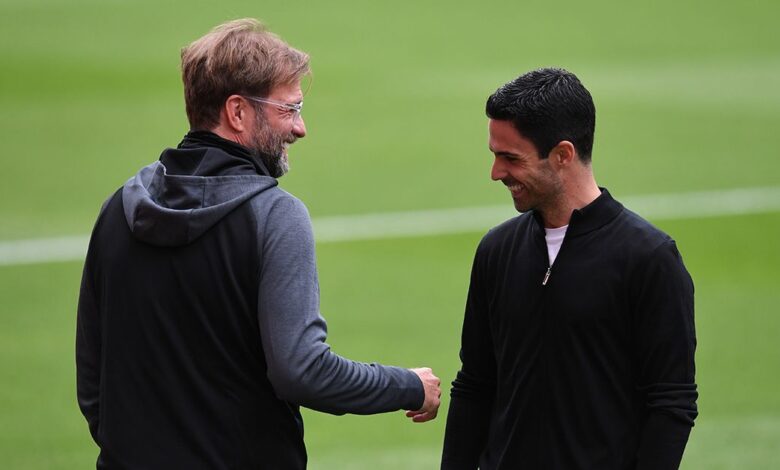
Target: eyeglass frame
[296, 108]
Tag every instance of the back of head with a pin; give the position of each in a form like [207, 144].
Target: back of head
[547, 106]
[238, 57]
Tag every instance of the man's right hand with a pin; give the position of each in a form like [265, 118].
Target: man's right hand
[432, 400]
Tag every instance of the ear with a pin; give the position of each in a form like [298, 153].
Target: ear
[237, 114]
[563, 154]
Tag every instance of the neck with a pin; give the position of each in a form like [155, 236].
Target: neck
[577, 192]
[228, 134]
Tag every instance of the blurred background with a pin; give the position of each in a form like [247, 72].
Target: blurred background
[688, 105]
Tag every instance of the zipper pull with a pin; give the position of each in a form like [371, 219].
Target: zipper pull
[546, 276]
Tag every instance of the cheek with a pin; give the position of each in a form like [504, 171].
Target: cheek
[546, 174]
[518, 172]
[528, 176]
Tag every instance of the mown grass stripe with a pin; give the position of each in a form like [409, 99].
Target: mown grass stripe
[689, 205]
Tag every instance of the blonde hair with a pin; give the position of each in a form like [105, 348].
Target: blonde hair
[239, 57]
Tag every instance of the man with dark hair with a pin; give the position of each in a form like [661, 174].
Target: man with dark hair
[199, 333]
[578, 339]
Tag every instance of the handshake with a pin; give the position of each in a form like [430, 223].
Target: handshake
[430, 406]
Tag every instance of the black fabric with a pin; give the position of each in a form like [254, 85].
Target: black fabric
[595, 369]
[213, 156]
[168, 339]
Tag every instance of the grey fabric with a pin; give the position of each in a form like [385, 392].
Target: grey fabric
[173, 210]
[301, 365]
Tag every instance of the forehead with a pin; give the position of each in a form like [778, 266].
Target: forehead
[504, 137]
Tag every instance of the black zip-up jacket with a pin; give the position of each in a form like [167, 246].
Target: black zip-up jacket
[199, 332]
[592, 370]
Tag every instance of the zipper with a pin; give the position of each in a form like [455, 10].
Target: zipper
[546, 275]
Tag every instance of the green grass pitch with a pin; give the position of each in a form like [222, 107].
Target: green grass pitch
[687, 99]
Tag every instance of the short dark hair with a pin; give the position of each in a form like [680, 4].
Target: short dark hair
[547, 106]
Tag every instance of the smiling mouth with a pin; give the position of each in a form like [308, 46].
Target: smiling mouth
[515, 189]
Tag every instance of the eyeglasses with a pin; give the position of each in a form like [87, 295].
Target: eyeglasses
[294, 108]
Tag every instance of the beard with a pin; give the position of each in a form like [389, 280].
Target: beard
[270, 146]
[541, 190]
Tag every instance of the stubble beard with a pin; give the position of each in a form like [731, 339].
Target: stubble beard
[270, 147]
[543, 194]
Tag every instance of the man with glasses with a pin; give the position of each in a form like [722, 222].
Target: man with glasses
[199, 333]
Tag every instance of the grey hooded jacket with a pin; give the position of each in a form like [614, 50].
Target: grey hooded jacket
[199, 330]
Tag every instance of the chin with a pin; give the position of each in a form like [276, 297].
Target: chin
[520, 206]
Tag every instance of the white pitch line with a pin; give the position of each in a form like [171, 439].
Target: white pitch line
[690, 205]
[43, 250]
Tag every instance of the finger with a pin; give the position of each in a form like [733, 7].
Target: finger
[420, 412]
[423, 417]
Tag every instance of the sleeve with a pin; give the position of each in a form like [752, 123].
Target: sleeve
[301, 366]
[665, 341]
[88, 348]
[473, 390]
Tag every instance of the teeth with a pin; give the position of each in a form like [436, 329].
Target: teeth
[515, 187]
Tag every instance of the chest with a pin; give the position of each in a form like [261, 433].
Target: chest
[584, 295]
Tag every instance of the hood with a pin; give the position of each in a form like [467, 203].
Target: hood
[166, 209]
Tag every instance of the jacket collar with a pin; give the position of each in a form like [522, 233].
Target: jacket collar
[591, 217]
[196, 139]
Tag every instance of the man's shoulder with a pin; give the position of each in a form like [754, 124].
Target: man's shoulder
[510, 226]
[639, 232]
[276, 210]
[507, 231]
[276, 199]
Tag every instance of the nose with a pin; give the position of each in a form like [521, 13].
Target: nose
[498, 171]
[299, 127]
